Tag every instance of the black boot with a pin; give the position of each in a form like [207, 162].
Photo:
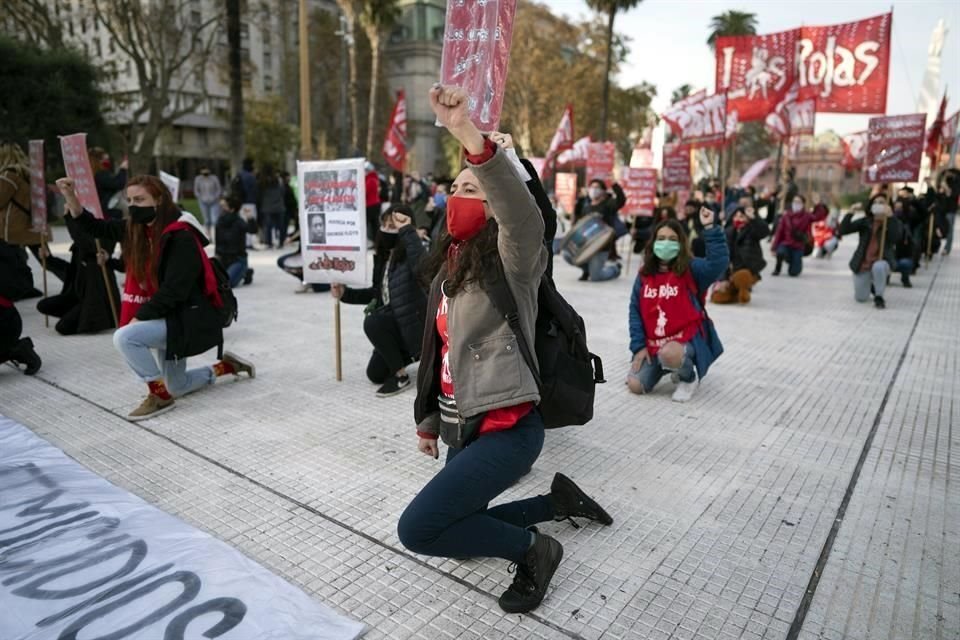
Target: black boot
[248, 276]
[776, 270]
[879, 302]
[533, 575]
[905, 280]
[569, 501]
[23, 353]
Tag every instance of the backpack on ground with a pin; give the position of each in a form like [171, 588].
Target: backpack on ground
[568, 372]
[230, 309]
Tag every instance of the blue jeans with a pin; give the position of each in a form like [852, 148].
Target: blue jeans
[236, 271]
[135, 341]
[951, 220]
[793, 257]
[449, 518]
[904, 266]
[651, 372]
[211, 212]
[875, 277]
[599, 270]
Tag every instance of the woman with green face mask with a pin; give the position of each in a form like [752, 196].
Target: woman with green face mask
[669, 328]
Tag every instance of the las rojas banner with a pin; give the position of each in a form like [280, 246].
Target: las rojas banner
[894, 148]
[333, 236]
[845, 67]
[676, 167]
[702, 123]
[476, 50]
[640, 187]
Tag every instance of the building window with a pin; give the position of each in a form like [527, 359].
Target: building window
[178, 135]
[244, 32]
[196, 18]
[127, 68]
[83, 25]
[267, 61]
[112, 46]
[96, 47]
[268, 83]
[202, 136]
[70, 28]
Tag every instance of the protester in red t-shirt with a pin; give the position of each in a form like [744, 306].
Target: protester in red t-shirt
[474, 389]
[669, 328]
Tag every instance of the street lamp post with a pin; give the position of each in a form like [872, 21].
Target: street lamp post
[306, 127]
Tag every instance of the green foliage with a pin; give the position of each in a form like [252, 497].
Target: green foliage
[732, 23]
[268, 137]
[680, 93]
[48, 94]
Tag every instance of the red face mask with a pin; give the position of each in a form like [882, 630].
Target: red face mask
[739, 224]
[465, 217]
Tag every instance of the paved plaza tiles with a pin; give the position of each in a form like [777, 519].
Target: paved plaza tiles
[810, 490]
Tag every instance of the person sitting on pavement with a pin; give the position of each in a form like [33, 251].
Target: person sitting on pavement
[396, 303]
[871, 264]
[170, 297]
[906, 248]
[231, 240]
[669, 329]
[825, 239]
[746, 257]
[13, 347]
[292, 263]
[605, 264]
[473, 387]
[792, 237]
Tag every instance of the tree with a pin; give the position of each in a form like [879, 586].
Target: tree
[610, 8]
[235, 66]
[378, 18]
[732, 23]
[267, 135]
[350, 10]
[680, 93]
[630, 113]
[34, 23]
[170, 50]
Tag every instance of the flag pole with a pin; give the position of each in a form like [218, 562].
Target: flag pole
[106, 284]
[43, 263]
[338, 345]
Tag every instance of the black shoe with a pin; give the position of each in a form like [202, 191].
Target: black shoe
[533, 576]
[879, 302]
[393, 386]
[569, 501]
[905, 281]
[248, 276]
[584, 277]
[873, 291]
[776, 272]
[24, 354]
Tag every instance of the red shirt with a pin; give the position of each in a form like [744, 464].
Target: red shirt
[372, 182]
[667, 310]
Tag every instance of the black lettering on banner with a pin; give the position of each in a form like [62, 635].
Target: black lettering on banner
[40, 567]
[137, 550]
[50, 527]
[34, 474]
[39, 508]
[191, 587]
[107, 525]
[233, 611]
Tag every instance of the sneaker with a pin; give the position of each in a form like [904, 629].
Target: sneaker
[23, 353]
[570, 501]
[304, 288]
[533, 576]
[393, 386]
[152, 405]
[905, 281]
[879, 302]
[239, 364]
[685, 391]
[248, 276]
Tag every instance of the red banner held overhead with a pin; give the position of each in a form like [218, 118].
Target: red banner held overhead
[640, 187]
[950, 129]
[894, 148]
[854, 150]
[476, 51]
[77, 165]
[702, 123]
[576, 156]
[676, 167]
[395, 142]
[563, 137]
[566, 189]
[844, 67]
[38, 187]
[601, 158]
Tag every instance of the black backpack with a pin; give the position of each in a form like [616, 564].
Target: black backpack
[230, 310]
[568, 372]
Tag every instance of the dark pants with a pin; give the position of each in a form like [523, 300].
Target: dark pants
[449, 518]
[276, 222]
[389, 355]
[10, 328]
[373, 220]
[65, 306]
[793, 257]
[236, 270]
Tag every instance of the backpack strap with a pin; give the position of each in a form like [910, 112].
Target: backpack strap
[506, 305]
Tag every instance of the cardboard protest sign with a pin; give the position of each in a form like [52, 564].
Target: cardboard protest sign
[566, 189]
[676, 167]
[38, 187]
[640, 187]
[601, 158]
[333, 225]
[395, 142]
[77, 165]
[172, 183]
[894, 148]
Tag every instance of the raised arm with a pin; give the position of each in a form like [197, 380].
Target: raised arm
[112, 230]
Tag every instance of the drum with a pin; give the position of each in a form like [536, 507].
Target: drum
[587, 237]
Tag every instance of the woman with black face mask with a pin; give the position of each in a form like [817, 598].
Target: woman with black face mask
[170, 297]
[396, 303]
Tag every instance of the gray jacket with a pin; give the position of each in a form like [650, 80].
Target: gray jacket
[487, 367]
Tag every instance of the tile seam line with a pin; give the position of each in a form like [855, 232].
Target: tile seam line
[316, 512]
[797, 625]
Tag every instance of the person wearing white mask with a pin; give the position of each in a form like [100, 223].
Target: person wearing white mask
[871, 264]
[793, 238]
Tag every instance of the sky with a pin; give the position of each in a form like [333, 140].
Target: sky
[669, 44]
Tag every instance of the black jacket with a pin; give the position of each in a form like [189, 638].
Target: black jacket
[864, 226]
[745, 249]
[408, 300]
[108, 183]
[84, 280]
[193, 325]
[607, 208]
[232, 233]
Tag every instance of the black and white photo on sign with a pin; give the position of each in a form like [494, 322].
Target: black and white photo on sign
[318, 228]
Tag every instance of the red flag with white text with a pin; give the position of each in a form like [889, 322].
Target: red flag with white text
[702, 123]
[395, 142]
[935, 135]
[563, 137]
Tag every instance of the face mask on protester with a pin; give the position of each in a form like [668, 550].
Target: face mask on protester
[388, 239]
[797, 206]
[738, 223]
[878, 209]
[142, 215]
[466, 217]
[666, 250]
[595, 193]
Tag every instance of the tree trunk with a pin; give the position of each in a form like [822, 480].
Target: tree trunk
[353, 92]
[374, 37]
[604, 114]
[236, 85]
[143, 148]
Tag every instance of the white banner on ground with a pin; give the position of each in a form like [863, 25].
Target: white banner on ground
[81, 558]
[173, 184]
[333, 226]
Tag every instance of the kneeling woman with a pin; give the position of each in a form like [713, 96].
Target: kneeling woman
[871, 263]
[170, 297]
[473, 387]
[669, 328]
[396, 302]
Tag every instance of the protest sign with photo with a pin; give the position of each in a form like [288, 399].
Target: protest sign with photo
[640, 187]
[172, 183]
[702, 123]
[76, 162]
[601, 158]
[333, 240]
[894, 148]
[566, 190]
[38, 187]
[676, 167]
[476, 52]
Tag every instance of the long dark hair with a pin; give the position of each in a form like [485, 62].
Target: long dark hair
[140, 247]
[476, 259]
[651, 263]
